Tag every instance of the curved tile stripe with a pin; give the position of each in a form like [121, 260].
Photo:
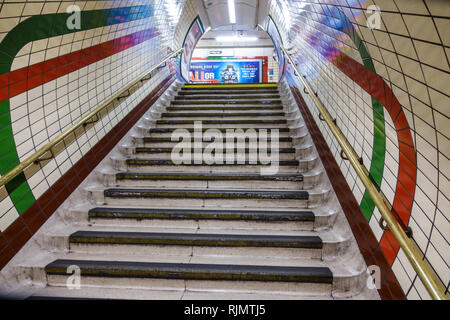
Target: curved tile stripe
[342, 23]
[337, 20]
[32, 29]
[24, 79]
[366, 77]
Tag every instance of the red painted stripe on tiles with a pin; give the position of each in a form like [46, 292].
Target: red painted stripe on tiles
[407, 172]
[368, 245]
[24, 79]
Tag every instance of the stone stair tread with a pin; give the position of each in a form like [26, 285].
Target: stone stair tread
[168, 130]
[227, 96]
[85, 293]
[104, 255]
[196, 239]
[105, 293]
[221, 114]
[169, 139]
[228, 107]
[205, 193]
[142, 161]
[173, 229]
[169, 149]
[228, 87]
[226, 102]
[225, 214]
[193, 271]
[209, 176]
[224, 121]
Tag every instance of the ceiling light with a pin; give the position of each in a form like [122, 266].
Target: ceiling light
[231, 11]
[235, 39]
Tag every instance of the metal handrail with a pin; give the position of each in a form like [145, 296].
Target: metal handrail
[429, 279]
[83, 121]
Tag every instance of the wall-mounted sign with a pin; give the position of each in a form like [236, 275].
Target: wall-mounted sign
[226, 71]
[194, 34]
[272, 31]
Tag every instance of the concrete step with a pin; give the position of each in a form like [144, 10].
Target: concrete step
[205, 194]
[230, 108]
[97, 271]
[269, 278]
[251, 220]
[188, 153]
[224, 117]
[228, 96]
[195, 239]
[223, 121]
[167, 141]
[212, 179]
[207, 180]
[238, 131]
[226, 102]
[167, 165]
[58, 293]
[213, 230]
[205, 91]
[257, 125]
[260, 152]
[209, 176]
[166, 197]
[221, 115]
[161, 137]
[196, 244]
[225, 112]
[202, 214]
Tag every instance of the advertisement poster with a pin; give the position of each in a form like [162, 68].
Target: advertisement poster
[272, 31]
[193, 35]
[226, 71]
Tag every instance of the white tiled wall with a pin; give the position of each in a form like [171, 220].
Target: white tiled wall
[39, 114]
[410, 52]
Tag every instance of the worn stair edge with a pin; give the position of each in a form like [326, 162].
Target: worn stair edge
[188, 271]
[137, 162]
[169, 130]
[207, 176]
[234, 90]
[189, 91]
[224, 149]
[201, 214]
[215, 114]
[204, 193]
[205, 139]
[195, 239]
[228, 107]
[227, 96]
[226, 102]
[224, 121]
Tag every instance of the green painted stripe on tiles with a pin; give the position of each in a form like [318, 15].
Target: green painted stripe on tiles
[376, 170]
[35, 28]
[379, 134]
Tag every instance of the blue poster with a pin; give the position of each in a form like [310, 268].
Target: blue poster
[226, 71]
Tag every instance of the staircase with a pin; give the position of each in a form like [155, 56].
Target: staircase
[158, 230]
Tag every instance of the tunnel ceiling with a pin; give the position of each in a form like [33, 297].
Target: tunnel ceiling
[247, 14]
